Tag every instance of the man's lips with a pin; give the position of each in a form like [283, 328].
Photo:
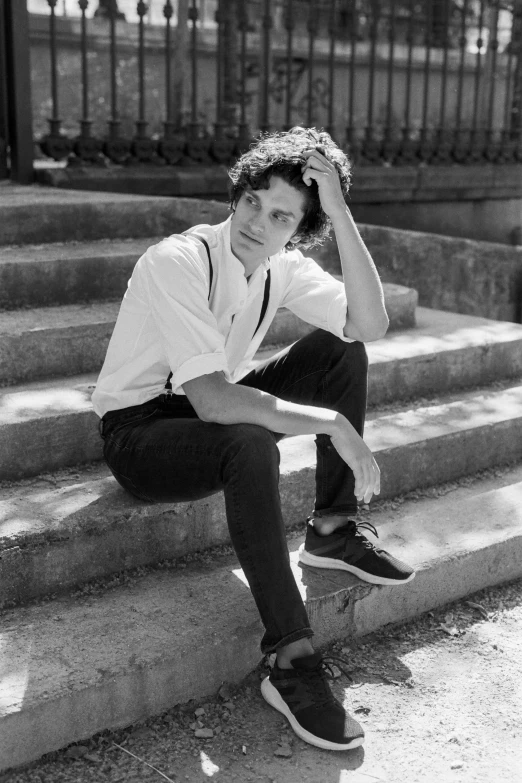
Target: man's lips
[252, 239]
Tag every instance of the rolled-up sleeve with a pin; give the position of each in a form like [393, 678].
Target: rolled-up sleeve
[178, 283]
[315, 296]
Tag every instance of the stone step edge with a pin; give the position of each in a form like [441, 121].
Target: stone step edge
[47, 215]
[98, 280]
[64, 273]
[53, 342]
[165, 651]
[101, 529]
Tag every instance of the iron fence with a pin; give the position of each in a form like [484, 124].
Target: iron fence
[395, 81]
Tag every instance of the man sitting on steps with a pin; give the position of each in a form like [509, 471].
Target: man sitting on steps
[182, 418]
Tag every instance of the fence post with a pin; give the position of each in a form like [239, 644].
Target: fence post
[18, 89]
[3, 98]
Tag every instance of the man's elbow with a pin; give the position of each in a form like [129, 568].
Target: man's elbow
[205, 413]
[208, 396]
[367, 333]
[377, 330]
[210, 412]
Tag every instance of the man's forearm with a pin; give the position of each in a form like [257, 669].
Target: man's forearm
[367, 318]
[216, 400]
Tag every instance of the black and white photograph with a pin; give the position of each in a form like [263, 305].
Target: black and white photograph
[260, 391]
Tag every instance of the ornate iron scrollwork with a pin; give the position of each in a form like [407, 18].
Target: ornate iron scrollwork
[223, 149]
[492, 148]
[87, 149]
[198, 150]
[442, 148]
[172, 146]
[144, 150]
[507, 148]
[56, 145]
[116, 148]
[390, 149]
[476, 147]
[426, 146]
[370, 149]
[408, 154]
[460, 149]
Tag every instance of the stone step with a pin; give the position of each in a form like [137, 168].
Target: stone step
[79, 665]
[48, 425]
[70, 273]
[49, 342]
[67, 273]
[36, 215]
[58, 531]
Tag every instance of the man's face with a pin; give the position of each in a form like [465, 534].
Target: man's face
[264, 221]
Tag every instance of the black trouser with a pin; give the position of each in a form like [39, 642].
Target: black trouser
[174, 456]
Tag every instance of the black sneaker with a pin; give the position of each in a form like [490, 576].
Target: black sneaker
[303, 696]
[348, 549]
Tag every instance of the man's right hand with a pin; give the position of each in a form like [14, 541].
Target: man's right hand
[354, 451]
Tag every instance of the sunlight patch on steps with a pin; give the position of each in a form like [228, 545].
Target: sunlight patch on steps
[14, 673]
[24, 405]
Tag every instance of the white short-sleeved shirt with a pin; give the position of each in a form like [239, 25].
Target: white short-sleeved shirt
[167, 322]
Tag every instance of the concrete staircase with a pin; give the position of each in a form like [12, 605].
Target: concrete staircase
[108, 612]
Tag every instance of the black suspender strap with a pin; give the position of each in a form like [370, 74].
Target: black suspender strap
[264, 306]
[266, 297]
[210, 268]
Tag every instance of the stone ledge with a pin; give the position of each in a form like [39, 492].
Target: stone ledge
[371, 183]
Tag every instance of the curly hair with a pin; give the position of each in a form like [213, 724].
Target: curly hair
[281, 154]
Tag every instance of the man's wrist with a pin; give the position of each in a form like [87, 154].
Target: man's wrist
[340, 215]
[338, 426]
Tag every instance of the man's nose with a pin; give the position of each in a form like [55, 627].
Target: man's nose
[257, 224]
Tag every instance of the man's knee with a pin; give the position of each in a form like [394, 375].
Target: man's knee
[326, 343]
[356, 353]
[252, 442]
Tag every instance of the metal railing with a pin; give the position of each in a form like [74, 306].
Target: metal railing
[395, 81]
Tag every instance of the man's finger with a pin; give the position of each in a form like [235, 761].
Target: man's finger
[377, 490]
[316, 164]
[360, 484]
[315, 155]
[368, 492]
[377, 478]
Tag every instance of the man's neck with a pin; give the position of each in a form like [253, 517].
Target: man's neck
[250, 268]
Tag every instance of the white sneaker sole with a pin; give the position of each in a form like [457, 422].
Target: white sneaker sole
[273, 697]
[327, 562]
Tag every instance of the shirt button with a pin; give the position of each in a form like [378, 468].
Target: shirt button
[241, 302]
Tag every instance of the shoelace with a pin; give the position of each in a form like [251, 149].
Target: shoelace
[364, 525]
[316, 678]
[335, 660]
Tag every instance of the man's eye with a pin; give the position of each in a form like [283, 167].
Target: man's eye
[281, 218]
